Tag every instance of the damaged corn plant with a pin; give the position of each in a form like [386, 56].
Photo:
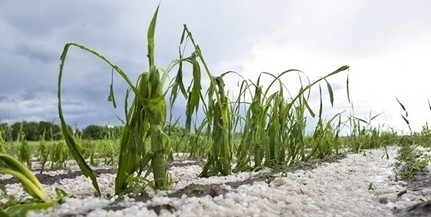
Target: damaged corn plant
[146, 117]
[274, 125]
[272, 131]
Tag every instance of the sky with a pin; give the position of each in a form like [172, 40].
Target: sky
[386, 44]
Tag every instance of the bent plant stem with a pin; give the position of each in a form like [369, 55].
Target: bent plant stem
[219, 160]
[145, 119]
[29, 182]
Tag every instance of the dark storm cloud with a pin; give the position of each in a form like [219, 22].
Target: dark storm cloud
[238, 35]
[36, 52]
[4, 98]
[48, 17]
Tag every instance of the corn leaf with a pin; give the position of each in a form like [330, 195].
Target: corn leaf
[68, 137]
[29, 182]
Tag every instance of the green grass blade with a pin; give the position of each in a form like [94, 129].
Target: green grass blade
[331, 93]
[402, 105]
[155, 107]
[406, 116]
[320, 103]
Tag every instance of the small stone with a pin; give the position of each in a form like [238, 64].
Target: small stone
[383, 200]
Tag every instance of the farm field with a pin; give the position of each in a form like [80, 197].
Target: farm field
[383, 181]
[344, 185]
[251, 153]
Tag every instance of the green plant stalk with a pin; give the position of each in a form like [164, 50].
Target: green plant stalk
[159, 159]
[156, 110]
[24, 150]
[42, 149]
[43, 152]
[149, 109]
[220, 157]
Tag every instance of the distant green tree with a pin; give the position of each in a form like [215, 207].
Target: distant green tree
[93, 132]
[33, 130]
[21, 128]
[15, 128]
[52, 131]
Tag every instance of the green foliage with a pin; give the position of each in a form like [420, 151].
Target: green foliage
[144, 119]
[43, 152]
[3, 147]
[220, 155]
[271, 134]
[33, 130]
[424, 136]
[14, 207]
[86, 147]
[410, 161]
[108, 152]
[40, 200]
[137, 186]
[24, 154]
[96, 132]
[59, 154]
[274, 129]
[93, 132]
[274, 132]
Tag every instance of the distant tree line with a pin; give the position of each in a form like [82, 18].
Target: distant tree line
[96, 132]
[33, 131]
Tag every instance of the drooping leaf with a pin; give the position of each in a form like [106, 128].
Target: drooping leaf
[111, 97]
[68, 137]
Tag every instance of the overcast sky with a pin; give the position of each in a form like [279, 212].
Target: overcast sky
[387, 45]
